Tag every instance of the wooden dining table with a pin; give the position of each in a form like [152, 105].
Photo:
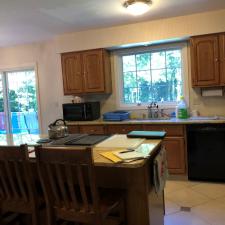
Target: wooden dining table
[144, 206]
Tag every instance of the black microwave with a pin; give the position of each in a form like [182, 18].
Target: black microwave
[81, 111]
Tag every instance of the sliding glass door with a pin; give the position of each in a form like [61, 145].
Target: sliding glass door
[3, 128]
[18, 102]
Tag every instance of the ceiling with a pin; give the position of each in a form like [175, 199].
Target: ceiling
[26, 21]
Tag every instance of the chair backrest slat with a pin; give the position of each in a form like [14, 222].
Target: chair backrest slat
[52, 183]
[71, 186]
[5, 186]
[65, 183]
[1, 189]
[82, 187]
[62, 187]
[20, 180]
[12, 179]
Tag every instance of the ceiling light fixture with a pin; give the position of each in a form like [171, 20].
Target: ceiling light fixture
[137, 7]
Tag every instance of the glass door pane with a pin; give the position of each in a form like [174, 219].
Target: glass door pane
[22, 101]
[2, 111]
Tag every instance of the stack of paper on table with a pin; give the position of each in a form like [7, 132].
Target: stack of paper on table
[143, 151]
[113, 146]
[120, 141]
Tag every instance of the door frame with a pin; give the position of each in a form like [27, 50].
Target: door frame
[11, 68]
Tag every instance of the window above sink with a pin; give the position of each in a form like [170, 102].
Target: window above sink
[151, 74]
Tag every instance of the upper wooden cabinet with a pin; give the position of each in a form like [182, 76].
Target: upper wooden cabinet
[86, 72]
[222, 59]
[208, 60]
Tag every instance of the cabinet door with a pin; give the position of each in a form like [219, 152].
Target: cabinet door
[93, 71]
[222, 59]
[92, 129]
[175, 149]
[205, 61]
[72, 73]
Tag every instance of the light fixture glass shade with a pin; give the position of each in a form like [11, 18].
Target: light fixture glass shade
[138, 8]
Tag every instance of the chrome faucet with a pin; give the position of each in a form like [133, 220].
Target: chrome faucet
[153, 110]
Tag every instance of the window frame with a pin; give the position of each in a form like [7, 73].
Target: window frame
[118, 68]
[13, 68]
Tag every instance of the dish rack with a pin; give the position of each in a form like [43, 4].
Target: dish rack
[116, 115]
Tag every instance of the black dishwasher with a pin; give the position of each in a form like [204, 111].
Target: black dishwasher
[206, 152]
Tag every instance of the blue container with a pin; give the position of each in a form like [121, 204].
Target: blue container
[116, 116]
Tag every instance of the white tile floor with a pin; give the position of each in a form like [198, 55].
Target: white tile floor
[203, 203]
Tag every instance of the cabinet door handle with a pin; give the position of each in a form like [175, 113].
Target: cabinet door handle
[216, 60]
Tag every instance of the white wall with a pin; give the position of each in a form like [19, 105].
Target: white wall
[47, 57]
[49, 76]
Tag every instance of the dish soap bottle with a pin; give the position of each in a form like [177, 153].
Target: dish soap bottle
[181, 109]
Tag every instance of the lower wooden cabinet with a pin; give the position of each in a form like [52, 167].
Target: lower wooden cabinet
[92, 129]
[175, 148]
[171, 130]
[73, 129]
[122, 129]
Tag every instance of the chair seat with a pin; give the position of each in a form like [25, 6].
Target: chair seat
[109, 200]
[20, 206]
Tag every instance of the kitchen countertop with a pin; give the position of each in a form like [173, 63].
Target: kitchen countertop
[194, 120]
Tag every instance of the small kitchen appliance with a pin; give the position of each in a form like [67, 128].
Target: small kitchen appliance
[85, 111]
[58, 129]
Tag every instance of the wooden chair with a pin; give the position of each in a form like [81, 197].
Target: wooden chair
[17, 189]
[68, 178]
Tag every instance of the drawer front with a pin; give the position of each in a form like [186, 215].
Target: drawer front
[122, 129]
[74, 129]
[92, 129]
[171, 130]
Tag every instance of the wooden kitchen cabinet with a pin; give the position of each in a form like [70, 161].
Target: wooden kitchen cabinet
[92, 129]
[74, 129]
[175, 149]
[222, 59]
[208, 60]
[122, 129]
[86, 72]
[171, 130]
[174, 144]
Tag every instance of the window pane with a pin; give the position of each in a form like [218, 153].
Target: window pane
[159, 76]
[173, 58]
[160, 91]
[143, 78]
[129, 63]
[143, 61]
[129, 79]
[23, 101]
[130, 95]
[158, 60]
[144, 94]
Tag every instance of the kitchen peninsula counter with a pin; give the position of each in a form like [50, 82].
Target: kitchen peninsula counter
[143, 205]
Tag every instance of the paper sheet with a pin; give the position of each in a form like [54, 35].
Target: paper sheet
[120, 141]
